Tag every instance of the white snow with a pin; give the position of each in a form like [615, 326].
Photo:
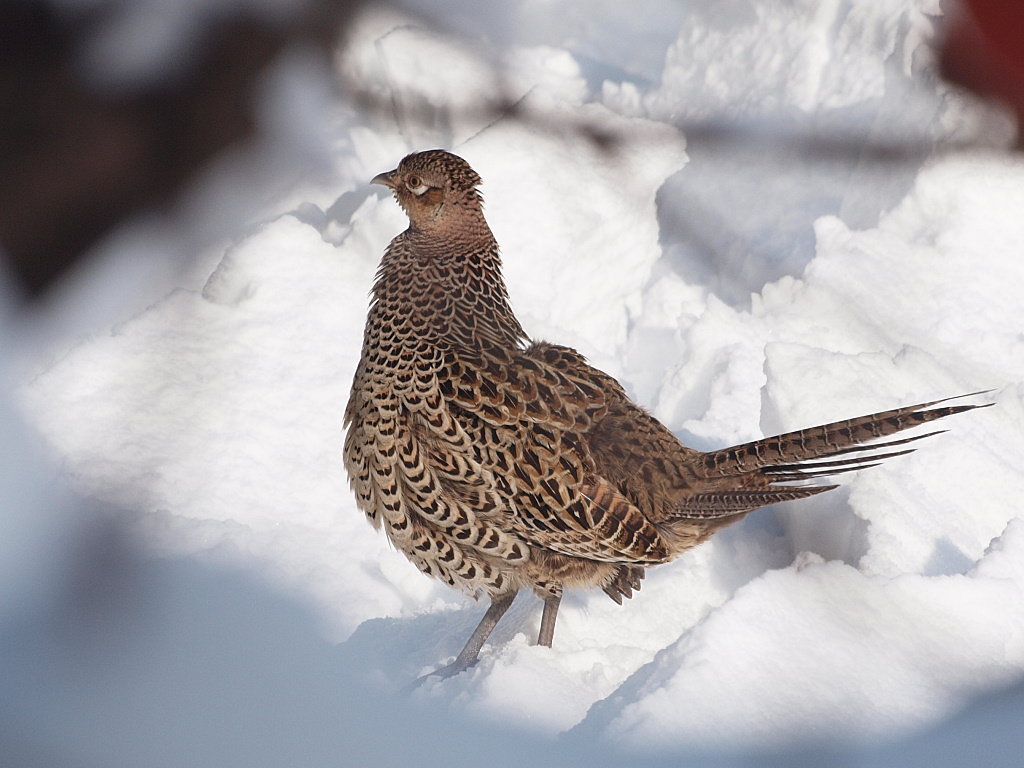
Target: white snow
[761, 289]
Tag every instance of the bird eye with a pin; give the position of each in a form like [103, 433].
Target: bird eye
[415, 184]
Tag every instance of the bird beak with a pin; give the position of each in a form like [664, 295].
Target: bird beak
[387, 179]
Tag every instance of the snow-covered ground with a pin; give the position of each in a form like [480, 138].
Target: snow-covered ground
[735, 254]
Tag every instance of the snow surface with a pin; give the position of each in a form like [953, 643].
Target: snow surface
[738, 286]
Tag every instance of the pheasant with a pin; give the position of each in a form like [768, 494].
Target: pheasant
[499, 464]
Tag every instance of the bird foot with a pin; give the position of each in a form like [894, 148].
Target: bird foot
[469, 655]
[457, 667]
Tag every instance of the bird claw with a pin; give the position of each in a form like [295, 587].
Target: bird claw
[449, 670]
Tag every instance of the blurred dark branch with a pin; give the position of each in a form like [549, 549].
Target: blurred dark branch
[779, 135]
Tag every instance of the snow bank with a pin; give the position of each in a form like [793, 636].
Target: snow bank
[214, 417]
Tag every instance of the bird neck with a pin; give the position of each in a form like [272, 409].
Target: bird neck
[447, 286]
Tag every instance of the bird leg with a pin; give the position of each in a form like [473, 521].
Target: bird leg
[468, 656]
[547, 619]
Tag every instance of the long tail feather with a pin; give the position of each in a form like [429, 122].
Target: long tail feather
[818, 467]
[762, 472]
[715, 504]
[828, 440]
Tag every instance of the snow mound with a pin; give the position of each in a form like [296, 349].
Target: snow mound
[214, 417]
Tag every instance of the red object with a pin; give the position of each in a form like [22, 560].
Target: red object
[984, 50]
[1002, 24]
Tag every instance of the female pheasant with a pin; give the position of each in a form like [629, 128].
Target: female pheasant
[498, 464]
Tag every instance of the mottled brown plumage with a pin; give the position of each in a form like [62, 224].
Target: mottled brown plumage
[497, 463]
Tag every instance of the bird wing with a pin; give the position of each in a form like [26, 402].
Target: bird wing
[529, 412]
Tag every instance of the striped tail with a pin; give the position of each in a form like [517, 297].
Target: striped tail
[745, 477]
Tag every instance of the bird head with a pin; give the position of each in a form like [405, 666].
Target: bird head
[434, 188]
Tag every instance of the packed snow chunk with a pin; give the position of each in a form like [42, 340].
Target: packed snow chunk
[607, 37]
[712, 392]
[1004, 559]
[426, 79]
[669, 307]
[442, 89]
[757, 56]
[936, 511]
[550, 69]
[790, 104]
[936, 251]
[823, 652]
